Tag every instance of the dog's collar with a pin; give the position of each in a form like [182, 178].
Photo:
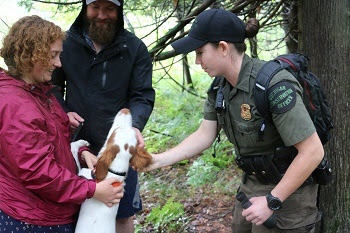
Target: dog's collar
[93, 175]
[117, 173]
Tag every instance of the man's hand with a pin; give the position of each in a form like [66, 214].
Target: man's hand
[74, 120]
[140, 140]
[258, 212]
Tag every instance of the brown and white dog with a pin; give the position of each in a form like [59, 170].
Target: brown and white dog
[119, 150]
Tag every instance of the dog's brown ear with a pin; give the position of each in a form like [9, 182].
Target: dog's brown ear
[106, 158]
[140, 157]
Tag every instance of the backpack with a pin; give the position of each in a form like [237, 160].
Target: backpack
[313, 94]
[313, 97]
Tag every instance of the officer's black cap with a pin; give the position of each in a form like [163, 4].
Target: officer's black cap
[212, 25]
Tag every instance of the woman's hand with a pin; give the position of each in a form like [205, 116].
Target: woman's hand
[258, 212]
[107, 193]
[74, 120]
[89, 158]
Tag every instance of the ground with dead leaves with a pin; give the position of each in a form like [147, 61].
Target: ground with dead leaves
[207, 209]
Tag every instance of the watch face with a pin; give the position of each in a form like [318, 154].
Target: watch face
[274, 203]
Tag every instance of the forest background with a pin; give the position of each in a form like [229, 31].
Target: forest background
[197, 195]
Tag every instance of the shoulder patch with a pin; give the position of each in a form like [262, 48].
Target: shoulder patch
[282, 97]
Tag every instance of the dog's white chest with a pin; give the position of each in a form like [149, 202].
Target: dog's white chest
[98, 218]
[95, 216]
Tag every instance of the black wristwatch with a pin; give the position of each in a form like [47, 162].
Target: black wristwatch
[274, 203]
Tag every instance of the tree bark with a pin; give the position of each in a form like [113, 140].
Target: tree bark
[185, 66]
[290, 25]
[325, 37]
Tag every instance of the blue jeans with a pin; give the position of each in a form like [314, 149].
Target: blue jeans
[9, 224]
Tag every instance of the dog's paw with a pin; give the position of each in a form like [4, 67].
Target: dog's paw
[75, 146]
[80, 143]
[83, 143]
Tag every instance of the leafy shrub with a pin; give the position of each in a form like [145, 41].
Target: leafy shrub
[169, 218]
[172, 121]
[201, 173]
[206, 168]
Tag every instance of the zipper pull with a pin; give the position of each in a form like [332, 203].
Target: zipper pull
[261, 131]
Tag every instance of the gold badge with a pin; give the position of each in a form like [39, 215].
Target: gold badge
[245, 112]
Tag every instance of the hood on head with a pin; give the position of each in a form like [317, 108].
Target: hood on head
[79, 21]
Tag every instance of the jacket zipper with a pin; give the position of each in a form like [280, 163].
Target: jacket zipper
[104, 74]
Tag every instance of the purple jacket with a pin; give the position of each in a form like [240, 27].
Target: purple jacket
[38, 181]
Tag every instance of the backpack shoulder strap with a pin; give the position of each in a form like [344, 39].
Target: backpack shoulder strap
[262, 80]
[218, 81]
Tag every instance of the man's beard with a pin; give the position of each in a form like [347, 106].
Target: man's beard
[101, 34]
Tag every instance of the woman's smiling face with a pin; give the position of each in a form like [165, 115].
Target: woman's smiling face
[42, 74]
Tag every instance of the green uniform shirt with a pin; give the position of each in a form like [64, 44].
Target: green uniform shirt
[241, 121]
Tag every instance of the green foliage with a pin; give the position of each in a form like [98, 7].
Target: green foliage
[270, 45]
[175, 116]
[222, 153]
[61, 14]
[153, 186]
[169, 218]
[207, 168]
[26, 4]
[177, 112]
[201, 173]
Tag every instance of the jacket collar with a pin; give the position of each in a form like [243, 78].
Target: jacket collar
[244, 75]
[7, 80]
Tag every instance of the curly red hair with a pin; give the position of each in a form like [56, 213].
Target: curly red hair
[27, 42]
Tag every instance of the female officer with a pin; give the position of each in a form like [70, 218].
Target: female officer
[39, 190]
[218, 36]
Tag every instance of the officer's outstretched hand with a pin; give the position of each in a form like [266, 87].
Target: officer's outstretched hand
[258, 212]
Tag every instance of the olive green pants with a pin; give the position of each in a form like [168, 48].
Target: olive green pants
[299, 212]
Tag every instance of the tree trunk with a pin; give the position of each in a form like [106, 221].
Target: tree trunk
[186, 72]
[325, 37]
[290, 25]
[185, 66]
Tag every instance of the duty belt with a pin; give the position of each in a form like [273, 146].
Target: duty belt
[270, 168]
[262, 167]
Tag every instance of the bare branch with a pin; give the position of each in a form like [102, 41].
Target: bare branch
[161, 22]
[182, 87]
[162, 43]
[57, 3]
[273, 13]
[157, 132]
[5, 23]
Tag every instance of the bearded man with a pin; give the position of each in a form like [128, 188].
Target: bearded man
[105, 68]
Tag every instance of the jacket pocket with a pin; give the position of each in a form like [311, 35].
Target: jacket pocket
[246, 133]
